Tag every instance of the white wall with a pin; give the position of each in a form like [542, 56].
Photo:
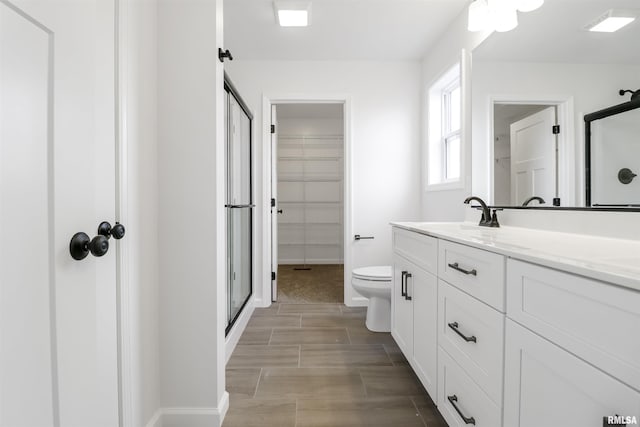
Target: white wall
[592, 87]
[447, 205]
[191, 236]
[385, 136]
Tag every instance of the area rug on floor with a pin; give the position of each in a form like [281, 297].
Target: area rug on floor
[321, 283]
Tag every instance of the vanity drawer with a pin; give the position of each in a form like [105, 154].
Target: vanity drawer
[477, 272]
[478, 344]
[596, 321]
[420, 249]
[459, 397]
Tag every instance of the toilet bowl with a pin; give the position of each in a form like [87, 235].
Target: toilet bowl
[374, 283]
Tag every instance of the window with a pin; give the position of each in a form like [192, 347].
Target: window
[445, 124]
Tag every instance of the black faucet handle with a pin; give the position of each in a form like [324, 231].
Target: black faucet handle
[494, 219]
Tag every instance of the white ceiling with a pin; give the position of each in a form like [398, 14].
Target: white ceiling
[555, 33]
[340, 29]
[305, 111]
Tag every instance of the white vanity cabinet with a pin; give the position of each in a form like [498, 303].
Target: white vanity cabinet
[470, 334]
[519, 343]
[572, 349]
[415, 303]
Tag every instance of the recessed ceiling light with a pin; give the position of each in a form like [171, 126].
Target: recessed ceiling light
[293, 13]
[612, 21]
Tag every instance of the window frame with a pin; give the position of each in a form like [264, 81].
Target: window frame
[438, 129]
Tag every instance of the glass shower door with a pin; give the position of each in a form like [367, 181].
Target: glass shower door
[239, 206]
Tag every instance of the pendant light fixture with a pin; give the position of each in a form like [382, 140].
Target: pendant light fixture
[498, 15]
[528, 5]
[503, 14]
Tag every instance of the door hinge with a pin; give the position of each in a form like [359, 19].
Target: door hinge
[273, 128]
[273, 203]
[556, 129]
[273, 275]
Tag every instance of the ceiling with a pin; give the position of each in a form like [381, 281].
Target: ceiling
[555, 33]
[304, 111]
[340, 29]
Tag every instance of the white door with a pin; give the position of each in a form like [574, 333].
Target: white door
[533, 157]
[274, 203]
[402, 307]
[423, 289]
[58, 328]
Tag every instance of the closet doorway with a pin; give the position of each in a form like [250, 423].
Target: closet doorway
[308, 213]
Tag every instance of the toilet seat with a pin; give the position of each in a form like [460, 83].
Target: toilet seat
[379, 273]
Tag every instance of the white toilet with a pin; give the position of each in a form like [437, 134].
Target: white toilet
[375, 283]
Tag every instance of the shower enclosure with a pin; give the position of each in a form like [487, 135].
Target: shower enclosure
[239, 202]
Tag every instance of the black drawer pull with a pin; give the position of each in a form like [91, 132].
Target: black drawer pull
[403, 283]
[406, 287]
[453, 399]
[454, 326]
[455, 266]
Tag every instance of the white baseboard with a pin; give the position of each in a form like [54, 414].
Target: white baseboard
[233, 337]
[156, 419]
[191, 417]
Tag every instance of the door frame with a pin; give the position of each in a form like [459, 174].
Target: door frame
[267, 102]
[129, 406]
[566, 163]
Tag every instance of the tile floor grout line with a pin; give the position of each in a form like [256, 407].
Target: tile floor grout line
[255, 392]
[415, 405]
[384, 347]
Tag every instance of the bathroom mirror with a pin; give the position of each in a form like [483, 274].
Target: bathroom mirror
[531, 89]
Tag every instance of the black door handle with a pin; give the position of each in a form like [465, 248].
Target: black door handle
[279, 211]
[453, 399]
[406, 287]
[456, 267]
[454, 326]
[117, 231]
[81, 245]
[402, 284]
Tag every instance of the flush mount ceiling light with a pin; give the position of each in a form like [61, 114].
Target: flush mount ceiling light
[498, 15]
[292, 13]
[612, 21]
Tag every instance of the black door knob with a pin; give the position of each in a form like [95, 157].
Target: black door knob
[279, 211]
[81, 245]
[99, 246]
[117, 231]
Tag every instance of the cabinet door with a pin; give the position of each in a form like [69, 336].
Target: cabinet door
[423, 289]
[402, 308]
[548, 386]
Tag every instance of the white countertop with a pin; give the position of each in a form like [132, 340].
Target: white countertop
[611, 260]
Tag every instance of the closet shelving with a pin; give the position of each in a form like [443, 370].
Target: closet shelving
[310, 176]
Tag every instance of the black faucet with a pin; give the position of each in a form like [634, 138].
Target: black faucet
[487, 219]
[531, 199]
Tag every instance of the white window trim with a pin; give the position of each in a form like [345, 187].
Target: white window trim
[435, 140]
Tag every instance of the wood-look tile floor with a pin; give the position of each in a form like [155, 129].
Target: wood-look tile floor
[317, 365]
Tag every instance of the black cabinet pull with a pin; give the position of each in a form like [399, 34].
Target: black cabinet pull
[454, 326]
[403, 284]
[456, 267]
[406, 287]
[239, 206]
[453, 399]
